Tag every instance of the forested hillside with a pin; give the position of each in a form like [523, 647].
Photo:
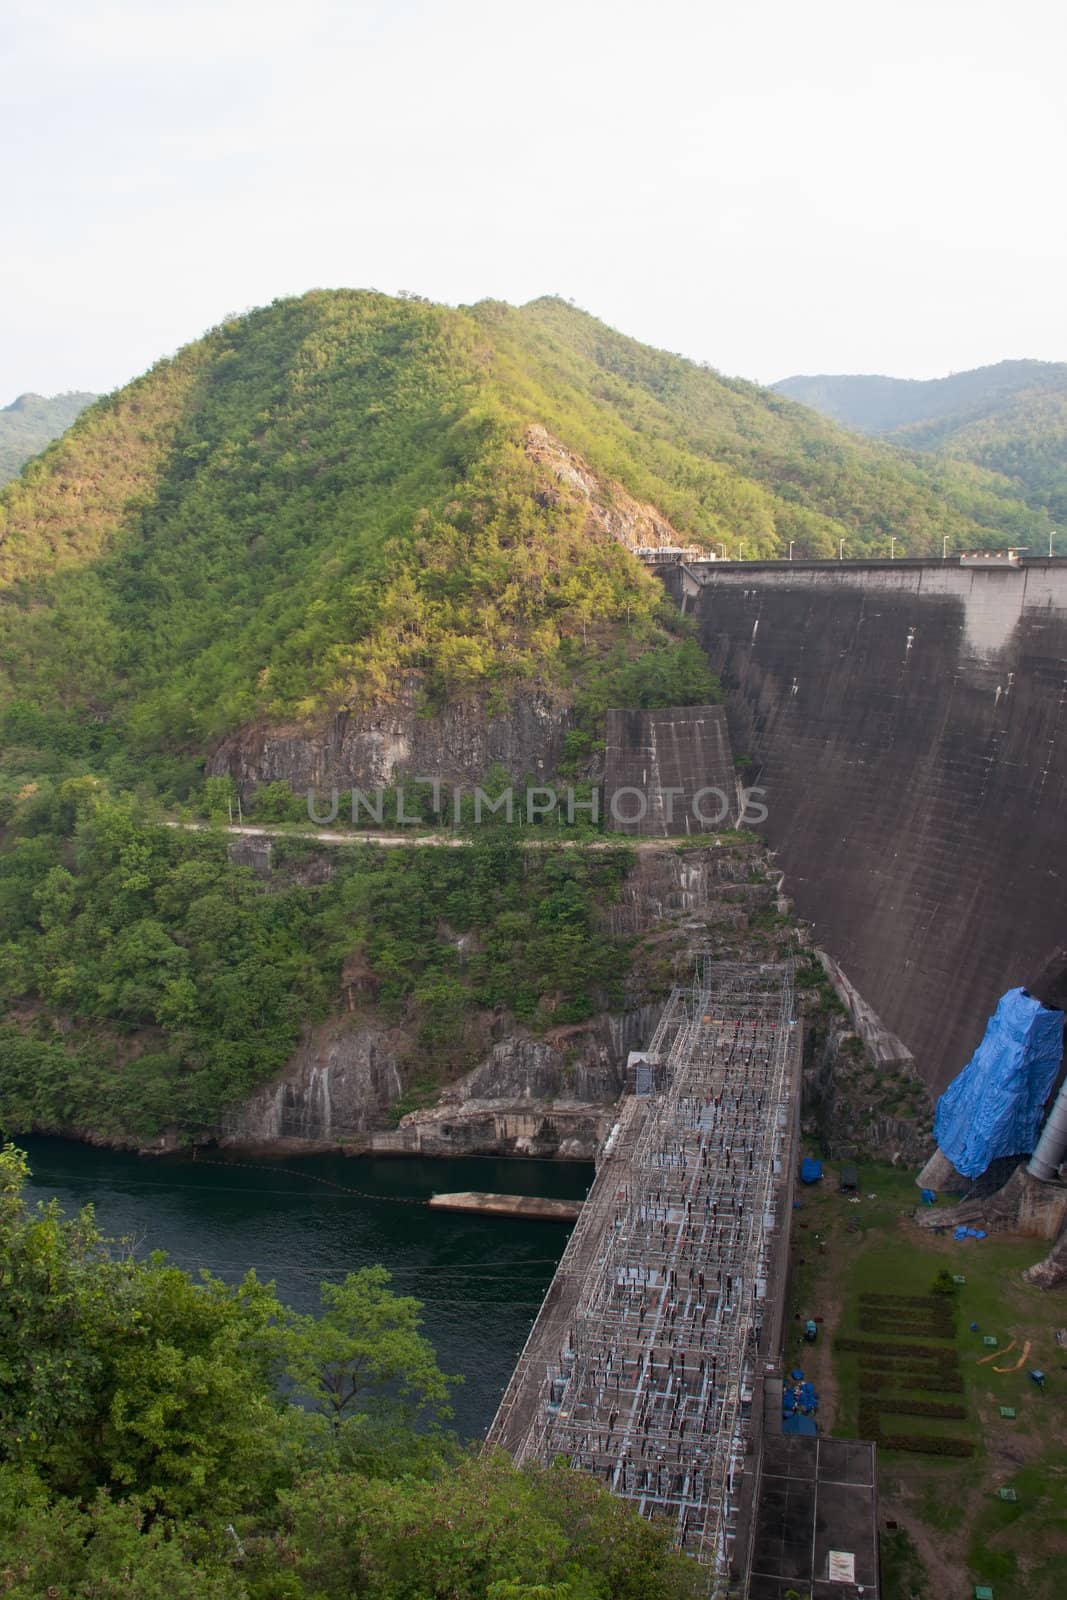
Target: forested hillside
[336, 491]
[31, 422]
[147, 984]
[1010, 418]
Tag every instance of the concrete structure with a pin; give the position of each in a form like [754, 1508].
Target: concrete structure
[645, 1364]
[909, 721]
[669, 772]
[535, 1207]
[818, 1502]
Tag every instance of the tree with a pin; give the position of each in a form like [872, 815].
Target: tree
[107, 1549]
[363, 1353]
[115, 1371]
[148, 1450]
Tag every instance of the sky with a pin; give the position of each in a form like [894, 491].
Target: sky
[774, 187]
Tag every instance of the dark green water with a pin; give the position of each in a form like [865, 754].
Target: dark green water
[481, 1279]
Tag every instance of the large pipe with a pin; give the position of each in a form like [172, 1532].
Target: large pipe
[1052, 1145]
[1050, 987]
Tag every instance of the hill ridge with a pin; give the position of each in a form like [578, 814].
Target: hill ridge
[335, 494]
[1009, 417]
[31, 421]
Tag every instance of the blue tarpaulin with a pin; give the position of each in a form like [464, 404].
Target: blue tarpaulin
[799, 1424]
[993, 1107]
[810, 1170]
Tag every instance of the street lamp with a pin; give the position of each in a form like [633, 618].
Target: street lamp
[1051, 536]
[944, 547]
[792, 542]
[722, 552]
[892, 547]
[840, 549]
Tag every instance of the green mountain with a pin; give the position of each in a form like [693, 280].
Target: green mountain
[31, 422]
[339, 491]
[1010, 419]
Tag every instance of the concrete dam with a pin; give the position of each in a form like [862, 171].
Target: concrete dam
[908, 720]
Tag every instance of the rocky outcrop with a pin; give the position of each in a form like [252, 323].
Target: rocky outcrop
[337, 1088]
[536, 1097]
[377, 746]
[530, 1096]
[729, 880]
[634, 523]
[862, 1094]
[857, 1108]
[1023, 1205]
[1051, 1272]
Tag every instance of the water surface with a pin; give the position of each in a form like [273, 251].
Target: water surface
[296, 1221]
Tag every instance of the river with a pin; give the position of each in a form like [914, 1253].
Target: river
[480, 1279]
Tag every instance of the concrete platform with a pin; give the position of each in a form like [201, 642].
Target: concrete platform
[509, 1205]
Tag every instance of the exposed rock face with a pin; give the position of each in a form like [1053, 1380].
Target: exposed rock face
[377, 746]
[669, 772]
[862, 1093]
[337, 1087]
[851, 1104]
[530, 1096]
[729, 881]
[535, 1097]
[1050, 1273]
[1022, 1205]
[634, 523]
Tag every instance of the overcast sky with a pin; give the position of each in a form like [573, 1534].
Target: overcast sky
[777, 187]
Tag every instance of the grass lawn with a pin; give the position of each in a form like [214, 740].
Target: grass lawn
[953, 1530]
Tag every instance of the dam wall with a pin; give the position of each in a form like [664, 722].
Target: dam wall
[908, 720]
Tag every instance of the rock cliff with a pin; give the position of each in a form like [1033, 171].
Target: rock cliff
[552, 1094]
[375, 746]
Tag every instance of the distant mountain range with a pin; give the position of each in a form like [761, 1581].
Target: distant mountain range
[31, 422]
[1010, 418]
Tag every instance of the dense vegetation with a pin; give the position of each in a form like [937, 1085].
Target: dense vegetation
[31, 422]
[1010, 418]
[335, 493]
[149, 983]
[162, 1439]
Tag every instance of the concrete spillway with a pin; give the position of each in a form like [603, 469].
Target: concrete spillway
[669, 771]
[642, 1366]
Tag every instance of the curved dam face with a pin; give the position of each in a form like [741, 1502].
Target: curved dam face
[909, 722]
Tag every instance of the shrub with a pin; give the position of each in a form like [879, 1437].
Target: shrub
[929, 1444]
[882, 1347]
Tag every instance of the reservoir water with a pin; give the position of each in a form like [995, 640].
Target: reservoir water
[296, 1221]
